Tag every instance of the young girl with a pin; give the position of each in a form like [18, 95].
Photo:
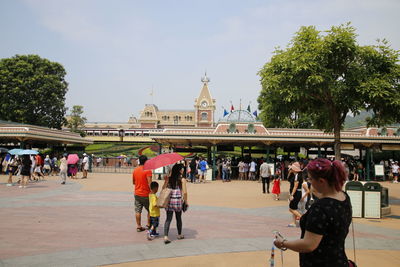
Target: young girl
[276, 189]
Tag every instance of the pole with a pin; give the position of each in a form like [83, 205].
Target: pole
[213, 150]
[367, 163]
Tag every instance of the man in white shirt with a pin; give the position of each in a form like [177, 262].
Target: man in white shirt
[265, 174]
[85, 167]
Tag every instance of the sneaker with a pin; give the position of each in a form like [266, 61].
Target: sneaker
[63, 183]
[20, 186]
[9, 184]
[155, 234]
[291, 225]
[149, 236]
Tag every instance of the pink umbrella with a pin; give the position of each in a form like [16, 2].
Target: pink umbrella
[72, 159]
[161, 161]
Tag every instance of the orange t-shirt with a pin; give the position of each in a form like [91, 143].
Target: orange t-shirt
[141, 185]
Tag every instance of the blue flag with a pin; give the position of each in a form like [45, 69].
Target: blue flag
[255, 113]
[225, 112]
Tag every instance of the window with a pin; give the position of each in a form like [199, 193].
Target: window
[204, 116]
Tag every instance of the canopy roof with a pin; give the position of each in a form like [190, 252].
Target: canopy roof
[11, 132]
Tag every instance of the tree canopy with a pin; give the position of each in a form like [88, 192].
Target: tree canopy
[32, 91]
[322, 76]
[75, 121]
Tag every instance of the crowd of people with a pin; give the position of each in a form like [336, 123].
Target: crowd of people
[34, 168]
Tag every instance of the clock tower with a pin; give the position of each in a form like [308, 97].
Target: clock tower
[204, 106]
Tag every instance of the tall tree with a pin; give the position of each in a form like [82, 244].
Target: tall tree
[75, 121]
[32, 91]
[325, 75]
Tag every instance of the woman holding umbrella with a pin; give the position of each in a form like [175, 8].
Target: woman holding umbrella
[178, 201]
[72, 161]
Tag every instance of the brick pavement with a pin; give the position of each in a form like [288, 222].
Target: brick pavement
[91, 222]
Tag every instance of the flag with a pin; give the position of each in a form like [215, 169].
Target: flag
[255, 113]
[248, 108]
[225, 112]
[232, 108]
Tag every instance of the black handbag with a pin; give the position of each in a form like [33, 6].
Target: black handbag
[184, 207]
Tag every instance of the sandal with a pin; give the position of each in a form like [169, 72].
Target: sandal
[140, 229]
[181, 237]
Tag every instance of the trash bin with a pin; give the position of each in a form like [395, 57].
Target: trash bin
[355, 190]
[384, 197]
[372, 200]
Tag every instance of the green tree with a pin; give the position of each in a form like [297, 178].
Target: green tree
[75, 121]
[32, 91]
[325, 75]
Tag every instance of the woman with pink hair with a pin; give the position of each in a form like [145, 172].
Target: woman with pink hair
[325, 225]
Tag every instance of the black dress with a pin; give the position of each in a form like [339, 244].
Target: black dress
[26, 166]
[298, 177]
[331, 218]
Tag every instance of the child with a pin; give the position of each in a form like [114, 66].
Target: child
[154, 212]
[276, 189]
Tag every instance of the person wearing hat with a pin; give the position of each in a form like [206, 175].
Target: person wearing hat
[85, 167]
[296, 180]
[63, 168]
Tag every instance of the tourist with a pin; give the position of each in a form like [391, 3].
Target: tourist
[225, 170]
[12, 169]
[325, 225]
[203, 166]
[241, 169]
[246, 170]
[26, 164]
[85, 166]
[265, 173]
[154, 211]
[305, 193]
[395, 171]
[54, 165]
[72, 170]
[252, 170]
[296, 180]
[38, 172]
[276, 188]
[193, 169]
[47, 165]
[63, 168]
[141, 179]
[178, 199]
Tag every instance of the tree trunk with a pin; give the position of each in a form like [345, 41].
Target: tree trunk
[336, 132]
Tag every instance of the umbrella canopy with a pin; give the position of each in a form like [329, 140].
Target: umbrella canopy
[161, 161]
[14, 151]
[3, 150]
[28, 152]
[72, 159]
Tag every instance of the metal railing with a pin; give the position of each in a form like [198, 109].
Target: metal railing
[113, 169]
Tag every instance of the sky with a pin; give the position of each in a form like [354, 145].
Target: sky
[116, 52]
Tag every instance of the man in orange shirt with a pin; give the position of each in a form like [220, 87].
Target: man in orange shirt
[141, 179]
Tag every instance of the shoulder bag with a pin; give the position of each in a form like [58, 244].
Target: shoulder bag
[163, 199]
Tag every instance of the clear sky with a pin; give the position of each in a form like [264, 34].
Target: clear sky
[116, 51]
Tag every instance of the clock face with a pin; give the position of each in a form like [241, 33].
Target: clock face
[204, 104]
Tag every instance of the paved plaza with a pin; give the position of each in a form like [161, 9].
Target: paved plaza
[90, 222]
